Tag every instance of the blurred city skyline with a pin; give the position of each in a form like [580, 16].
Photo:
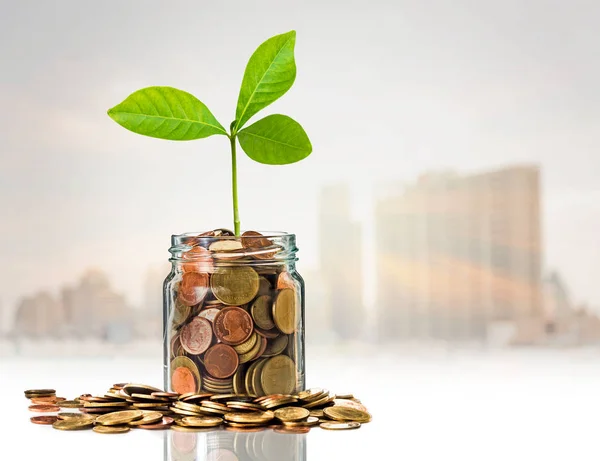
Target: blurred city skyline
[452, 257]
[385, 90]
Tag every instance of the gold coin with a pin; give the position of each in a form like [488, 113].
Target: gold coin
[256, 377]
[104, 404]
[317, 413]
[310, 421]
[276, 346]
[252, 353]
[284, 311]
[275, 403]
[261, 312]
[321, 402]
[181, 412]
[344, 396]
[187, 406]
[278, 375]
[139, 389]
[180, 314]
[291, 414]
[69, 404]
[253, 417]
[201, 421]
[248, 345]
[149, 417]
[235, 285]
[339, 426]
[119, 417]
[310, 395]
[72, 425]
[111, 429]
[75, 417]
[347, 414]
[238, 380]
[248, 379]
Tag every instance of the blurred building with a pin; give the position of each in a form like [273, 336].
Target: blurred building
[318, 321]
[94, 310]
[148, 318]
[40, 315]
[90, 309]
[456, 255]
[340, 254]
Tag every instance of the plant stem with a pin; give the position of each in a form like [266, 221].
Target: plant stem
[236, 215]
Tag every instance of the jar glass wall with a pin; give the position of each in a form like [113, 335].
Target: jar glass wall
[234, 314]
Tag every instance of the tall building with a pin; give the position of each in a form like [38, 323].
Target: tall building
[93, 309]
[341, 263]
[39, 316]
[454, 254]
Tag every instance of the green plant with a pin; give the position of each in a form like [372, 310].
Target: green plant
[168, 113]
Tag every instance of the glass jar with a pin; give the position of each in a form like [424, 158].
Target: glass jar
[234, 314]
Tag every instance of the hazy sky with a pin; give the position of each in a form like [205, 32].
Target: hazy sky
[385, 89]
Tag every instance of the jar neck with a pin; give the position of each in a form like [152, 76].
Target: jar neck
[210, 250]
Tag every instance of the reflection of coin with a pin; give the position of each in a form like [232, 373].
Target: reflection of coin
[183, 383]
[184, 443]
[261, 312]
[284, 311]
[339, 426]
[233, 326]
[279, 375]
[193, 288]
[235, 285]
[196, 336]
[221, 361]
[221, 454]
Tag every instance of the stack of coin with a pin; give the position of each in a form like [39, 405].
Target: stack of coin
[234, 316]
[139, 406]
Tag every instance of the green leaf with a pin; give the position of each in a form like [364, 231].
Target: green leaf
[270, 72]
[166, 113]
[275, 140]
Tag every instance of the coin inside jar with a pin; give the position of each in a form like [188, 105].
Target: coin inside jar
[221, 361]
[261, 312]
[235, 285]
[284, 311]
[193, 288]
[233, 326]
[196, 336]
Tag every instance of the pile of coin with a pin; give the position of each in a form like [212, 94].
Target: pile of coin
[234, 313]
[126, 406]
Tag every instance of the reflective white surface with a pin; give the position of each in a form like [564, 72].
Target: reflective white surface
[505, 405]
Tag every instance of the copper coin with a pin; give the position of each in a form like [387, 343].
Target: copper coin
[165, 394]
[44, 408]
[285, 280]
[253, 240]
[196, 336]
[183, 380]
[200, 260]
[47, 400]
[209, 314]
[44, 420]
[233, 325]
[193, 288]
[221, 361]
[164, 424]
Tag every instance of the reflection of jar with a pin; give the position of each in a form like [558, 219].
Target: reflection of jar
[223, 445]
[234, 314]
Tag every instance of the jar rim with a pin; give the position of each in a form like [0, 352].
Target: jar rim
[264, 234]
